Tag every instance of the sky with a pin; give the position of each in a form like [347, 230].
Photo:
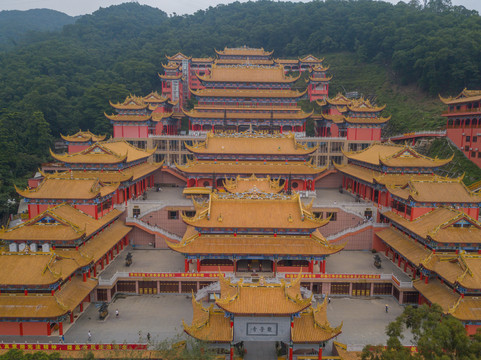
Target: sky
[76, 7]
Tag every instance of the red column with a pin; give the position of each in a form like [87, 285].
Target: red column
[107, 258]
[186, 265]
[49, 330]
[319, 356]
[231, 352]
[84, 277]
[426, 280]
[198, 265]
[60, 328]
[311, 267]
[95, 270]
[71, 317]
[102, 263]
[290, 352]
[81, 307]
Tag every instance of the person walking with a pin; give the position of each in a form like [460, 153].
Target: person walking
[387, 308]
[89, 336]
[116, 313]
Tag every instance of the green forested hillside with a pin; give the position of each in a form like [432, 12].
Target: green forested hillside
[59, 82]
[16, 25]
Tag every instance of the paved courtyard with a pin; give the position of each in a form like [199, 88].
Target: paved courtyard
[153, 260]
[362, 262]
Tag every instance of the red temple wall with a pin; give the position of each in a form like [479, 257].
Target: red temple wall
[215, 268]
[292, 269]
[35, 328]
[163, 177]
[88, 209]
[417, 212]
[131, 131]
[456, 136]
[471, 329]
[33, 183]
[473, 212]
[334, 130]
[10, 328]
[364, 134]
[331, 181]
[75, 148]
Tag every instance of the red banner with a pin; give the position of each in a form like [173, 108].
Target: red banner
[73, 347]
[179, 275]
[335, 276]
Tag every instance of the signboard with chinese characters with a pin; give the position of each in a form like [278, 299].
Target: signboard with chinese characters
[258, 328]
[262, 329]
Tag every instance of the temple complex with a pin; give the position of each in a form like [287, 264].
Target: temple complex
[264, 232]
[139, 117]
[50, 267]
[238, 97]
[375, 172]
[81, 140]
[223, 156]
[98, 177]
[262, 311]
[463, 122]
[183, 73]
[355, 119]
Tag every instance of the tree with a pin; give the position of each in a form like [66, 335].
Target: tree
[436, 335]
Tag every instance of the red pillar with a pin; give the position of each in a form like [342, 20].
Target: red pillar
[49, 330]
[102, 263]
[84, 277]
[198, 265]
[81, 307]
[186, 265]
[426, 280]
[71, 317]
[60, 328]
[290, 352]
[319, 356]
[107, 258]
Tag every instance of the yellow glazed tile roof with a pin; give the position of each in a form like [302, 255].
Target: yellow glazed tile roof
[47, 306]
[257, 210]
[253, 184]
[235, 115]
[68, 189]
[256, 74]
[436, 190]
[112, 177]
[247, 143]
[247, 93]
[129, 117]
[315, 245]
[244, 51]
[131, 102]
[250, 167]
[68, 224]
[312, 325]
[393, 155]
[34, 269]
[222, 62]
[262, 298]
[463, 269]
[437, 293]
[414, 252]
[107, 152]
[440, 225]
[83, 136]
[373, 176]
[464, 96]
[209, 324]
